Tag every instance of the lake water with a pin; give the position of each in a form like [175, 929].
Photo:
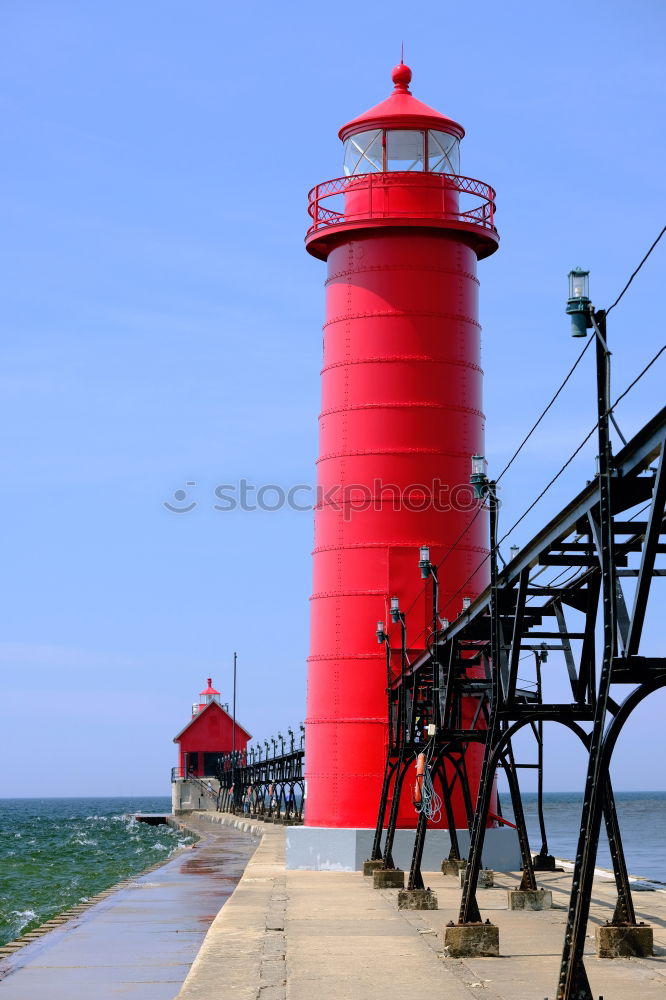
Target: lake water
[642, 818]
[56, 853]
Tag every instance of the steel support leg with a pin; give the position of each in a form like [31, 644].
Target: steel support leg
[624, 908]
[528, 880]
[461, 770]
[469, 909]
[401, 771]
[389, 770]
[454, 853]
[415, 880]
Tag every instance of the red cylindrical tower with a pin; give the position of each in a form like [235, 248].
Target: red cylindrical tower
[401, 416]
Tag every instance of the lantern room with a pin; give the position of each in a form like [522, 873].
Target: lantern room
[401, 163]
[208, 694]
[401, 134]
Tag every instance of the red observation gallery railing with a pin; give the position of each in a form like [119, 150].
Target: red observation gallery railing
[402, 196]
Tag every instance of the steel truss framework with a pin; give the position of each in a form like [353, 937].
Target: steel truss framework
[603, 549]
[268, 789]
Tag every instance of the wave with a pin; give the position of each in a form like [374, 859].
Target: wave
[70, 855]
[21, 919]
[83, 841]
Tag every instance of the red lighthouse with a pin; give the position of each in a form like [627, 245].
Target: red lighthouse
[401, 416]
[209, 734]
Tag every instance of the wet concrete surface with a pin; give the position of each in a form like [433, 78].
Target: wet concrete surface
[141, 941]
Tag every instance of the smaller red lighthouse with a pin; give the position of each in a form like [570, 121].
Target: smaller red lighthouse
[208, 735]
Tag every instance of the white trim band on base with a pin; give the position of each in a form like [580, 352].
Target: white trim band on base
[318, 848]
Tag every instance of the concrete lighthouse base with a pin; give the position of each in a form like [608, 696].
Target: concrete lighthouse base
[318, 848]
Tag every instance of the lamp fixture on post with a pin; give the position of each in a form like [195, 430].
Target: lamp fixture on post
[424, 562]
[381, 633]
[479, 477]
[396, 613]
[579, 306]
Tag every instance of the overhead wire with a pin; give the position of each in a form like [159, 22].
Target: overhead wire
[636, 271]
[543, 413]
[559, 473]
[582, 444]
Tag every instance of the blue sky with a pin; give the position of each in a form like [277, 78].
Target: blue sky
[162, 325]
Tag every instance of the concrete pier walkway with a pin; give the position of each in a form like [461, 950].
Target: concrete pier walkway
[140, 941]
[298, 935]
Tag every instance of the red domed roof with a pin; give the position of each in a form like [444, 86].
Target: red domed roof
[210, 689]
[401, 110]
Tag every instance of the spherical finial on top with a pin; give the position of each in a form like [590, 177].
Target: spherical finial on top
[401, 77]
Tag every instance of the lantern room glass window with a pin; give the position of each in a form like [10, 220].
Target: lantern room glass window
[395, 150]
[579, 284]
[363, 153]
[404, 150]
[443, 153]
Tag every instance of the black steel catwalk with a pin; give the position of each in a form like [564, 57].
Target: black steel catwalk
[611, 532]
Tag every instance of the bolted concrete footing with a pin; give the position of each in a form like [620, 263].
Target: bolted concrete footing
[486, 878]
[453, 866]
[370, 867]
[389, 878]
[417, 899]
[468, 940]
[545, 863]
[530, 899]
[624, 941]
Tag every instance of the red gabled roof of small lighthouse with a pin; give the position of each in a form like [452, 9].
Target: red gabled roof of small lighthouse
[401, 110]
[211, 706]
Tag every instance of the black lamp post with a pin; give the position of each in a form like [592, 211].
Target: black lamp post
[486, 489]
[585, 317]
[383, 637]
[398, 617]
[428, 569]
